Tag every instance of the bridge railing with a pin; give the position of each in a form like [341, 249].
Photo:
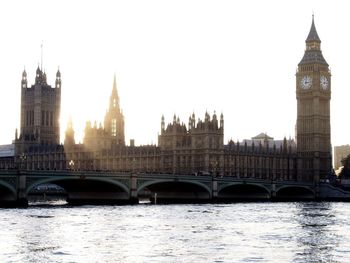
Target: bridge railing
[110, 173]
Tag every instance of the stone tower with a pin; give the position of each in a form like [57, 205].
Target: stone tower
[69, 140]
[114, 119]
[313, 93]
[198, 148]
[40, 113]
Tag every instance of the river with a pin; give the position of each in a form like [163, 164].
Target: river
[238, 232]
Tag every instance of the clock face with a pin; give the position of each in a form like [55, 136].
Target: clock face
[306, 82]
[324, 82]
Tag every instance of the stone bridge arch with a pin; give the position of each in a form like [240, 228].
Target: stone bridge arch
[175, 190]
[7, 192]
[243, 191]
[82, 189]
[295, 192]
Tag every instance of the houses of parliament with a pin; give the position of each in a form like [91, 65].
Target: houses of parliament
[197, 148]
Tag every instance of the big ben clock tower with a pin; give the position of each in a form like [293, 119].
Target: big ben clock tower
[313, 93]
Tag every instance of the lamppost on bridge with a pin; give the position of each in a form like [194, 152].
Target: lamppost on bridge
[214, 164]
[133, 165]
[22, 158]
[71, 165]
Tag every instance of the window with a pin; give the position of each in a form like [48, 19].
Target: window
[47, 118]
[114, 127]
[42, 117]
[51, 118]
[32, 117]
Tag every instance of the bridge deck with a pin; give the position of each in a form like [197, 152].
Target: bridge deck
[108, 185]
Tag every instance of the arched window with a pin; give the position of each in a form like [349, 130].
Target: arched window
[114, 127]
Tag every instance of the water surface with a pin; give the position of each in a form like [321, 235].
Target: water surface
[241, 232]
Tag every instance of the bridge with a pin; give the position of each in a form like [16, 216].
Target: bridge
[122, 188]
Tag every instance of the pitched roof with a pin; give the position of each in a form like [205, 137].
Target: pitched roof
[262, 136]
[313, 56]
[313, 36]
[7, 150]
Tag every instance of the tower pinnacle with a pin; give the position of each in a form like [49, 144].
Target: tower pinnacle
[313, 53]
[114, 83]
[313, 36]
[114, 99]
[114, 119]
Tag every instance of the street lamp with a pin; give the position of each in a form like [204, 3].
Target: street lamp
[71, 165]
[22, 158]
[214, 165]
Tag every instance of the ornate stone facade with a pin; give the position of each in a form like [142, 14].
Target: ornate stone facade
[313, 93]
[40, 113]
[37, 146]
[197, 148]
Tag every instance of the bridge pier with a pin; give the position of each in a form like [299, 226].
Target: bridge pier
[214, 196]
[317, 192]
[22, 203]
[133, 189]
[22, 200]
[273, 191]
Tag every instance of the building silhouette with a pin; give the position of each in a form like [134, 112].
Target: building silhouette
[38, 141]
[195, 148]
[313, 90]
[40, 113]
[111, 134]
[340, 152]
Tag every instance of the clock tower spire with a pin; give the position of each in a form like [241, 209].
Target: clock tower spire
[313, 93]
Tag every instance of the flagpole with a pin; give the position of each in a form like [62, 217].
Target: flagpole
[41, 56]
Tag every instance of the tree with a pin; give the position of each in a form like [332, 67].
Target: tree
[345, 172]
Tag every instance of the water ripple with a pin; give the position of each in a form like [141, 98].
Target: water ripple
[241, 232]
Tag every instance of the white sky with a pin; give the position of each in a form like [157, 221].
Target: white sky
[235, 57]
